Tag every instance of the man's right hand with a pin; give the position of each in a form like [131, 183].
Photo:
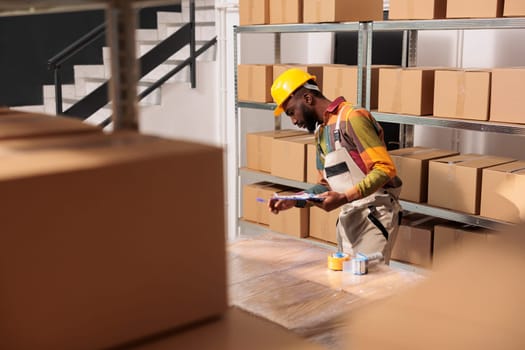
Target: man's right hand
[276, 205]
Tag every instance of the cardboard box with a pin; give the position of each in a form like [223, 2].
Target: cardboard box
[453, 238]
[255, 201]
[105, 242]
[414, 240]
[254, 82]
[507, 95]
[289, 157]
[259, 147]
[316, 70]
[238, 329]
[417, 9]
[494, 203]
[322, 224]
[312, 174]
[474, 301]
[318, 11]
[406, 90]
[455, 182]
[286, 11]
[412, 167]
[254, 12]
[15, 125]
[462, 94]
[474, 8]
[293, 222]
[514, 8]
[341, 80]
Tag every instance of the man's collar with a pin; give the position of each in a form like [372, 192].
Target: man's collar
[332, 108]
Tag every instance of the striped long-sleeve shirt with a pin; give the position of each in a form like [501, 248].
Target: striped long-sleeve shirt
[363, 137]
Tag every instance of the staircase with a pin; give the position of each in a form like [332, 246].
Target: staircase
[158, 115]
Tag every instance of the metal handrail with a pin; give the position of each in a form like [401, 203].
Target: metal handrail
[56, 61]
[98, 98]
[187, 62]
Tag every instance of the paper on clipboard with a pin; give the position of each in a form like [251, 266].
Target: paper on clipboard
[299, 197]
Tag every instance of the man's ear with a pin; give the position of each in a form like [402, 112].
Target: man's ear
[308, 98]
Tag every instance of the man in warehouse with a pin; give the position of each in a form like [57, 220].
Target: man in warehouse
[356, 172]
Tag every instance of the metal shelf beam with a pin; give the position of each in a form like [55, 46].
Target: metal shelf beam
[451, 24]
[299, 28]
[468, 219]
[513, 129]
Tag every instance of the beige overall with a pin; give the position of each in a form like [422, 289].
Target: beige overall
[364, 224]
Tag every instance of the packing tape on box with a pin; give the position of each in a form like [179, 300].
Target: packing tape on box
[336, 260]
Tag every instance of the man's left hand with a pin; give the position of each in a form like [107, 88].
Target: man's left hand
[332, 200]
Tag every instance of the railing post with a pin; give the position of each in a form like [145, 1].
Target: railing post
[193, 69]
[58, 90]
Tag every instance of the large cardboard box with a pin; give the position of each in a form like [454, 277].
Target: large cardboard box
[316, 70]
[462, 94]
[254, 12]
[474, 301]
[286, 11]
[322, 224]
[514, 8]
[453, 238]
[293, 222]
[255, 201]
[508, 177]
[417, 9]
[406, 90]
[100, 248]
[254, 82]
[312, 174]
[259, 147]
[414, 240]
[318, 11]
[455, 182]
[412, 167]
[507, 89]
[289, 157]
[16, 125]
[474, 8]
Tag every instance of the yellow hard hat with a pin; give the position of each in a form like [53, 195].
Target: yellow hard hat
[286, 84]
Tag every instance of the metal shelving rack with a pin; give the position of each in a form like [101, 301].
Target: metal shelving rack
[366, 30]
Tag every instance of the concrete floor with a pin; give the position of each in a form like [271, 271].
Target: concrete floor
[285, 280]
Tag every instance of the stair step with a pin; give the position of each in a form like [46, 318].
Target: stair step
[171, 17]
[92, 70]
[146, 35]
[68, 90]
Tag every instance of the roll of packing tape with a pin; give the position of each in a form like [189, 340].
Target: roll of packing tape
[336, 260]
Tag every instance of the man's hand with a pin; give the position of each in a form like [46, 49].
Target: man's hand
[276, 205]
[332, 200]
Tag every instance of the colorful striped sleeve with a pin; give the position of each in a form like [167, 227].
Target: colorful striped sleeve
[370, 145]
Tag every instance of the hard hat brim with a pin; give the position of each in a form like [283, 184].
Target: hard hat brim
[278, 110]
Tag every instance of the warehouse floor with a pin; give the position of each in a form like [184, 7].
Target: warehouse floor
[285, 280]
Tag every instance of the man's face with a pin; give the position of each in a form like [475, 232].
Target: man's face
[301, 113]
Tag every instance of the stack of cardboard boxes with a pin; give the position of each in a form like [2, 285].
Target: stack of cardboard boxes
[256, 12]
[439, 9]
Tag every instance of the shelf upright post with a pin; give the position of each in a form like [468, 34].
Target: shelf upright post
[277, 60]
[364, 62]
[409, 59]
[238, 157]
